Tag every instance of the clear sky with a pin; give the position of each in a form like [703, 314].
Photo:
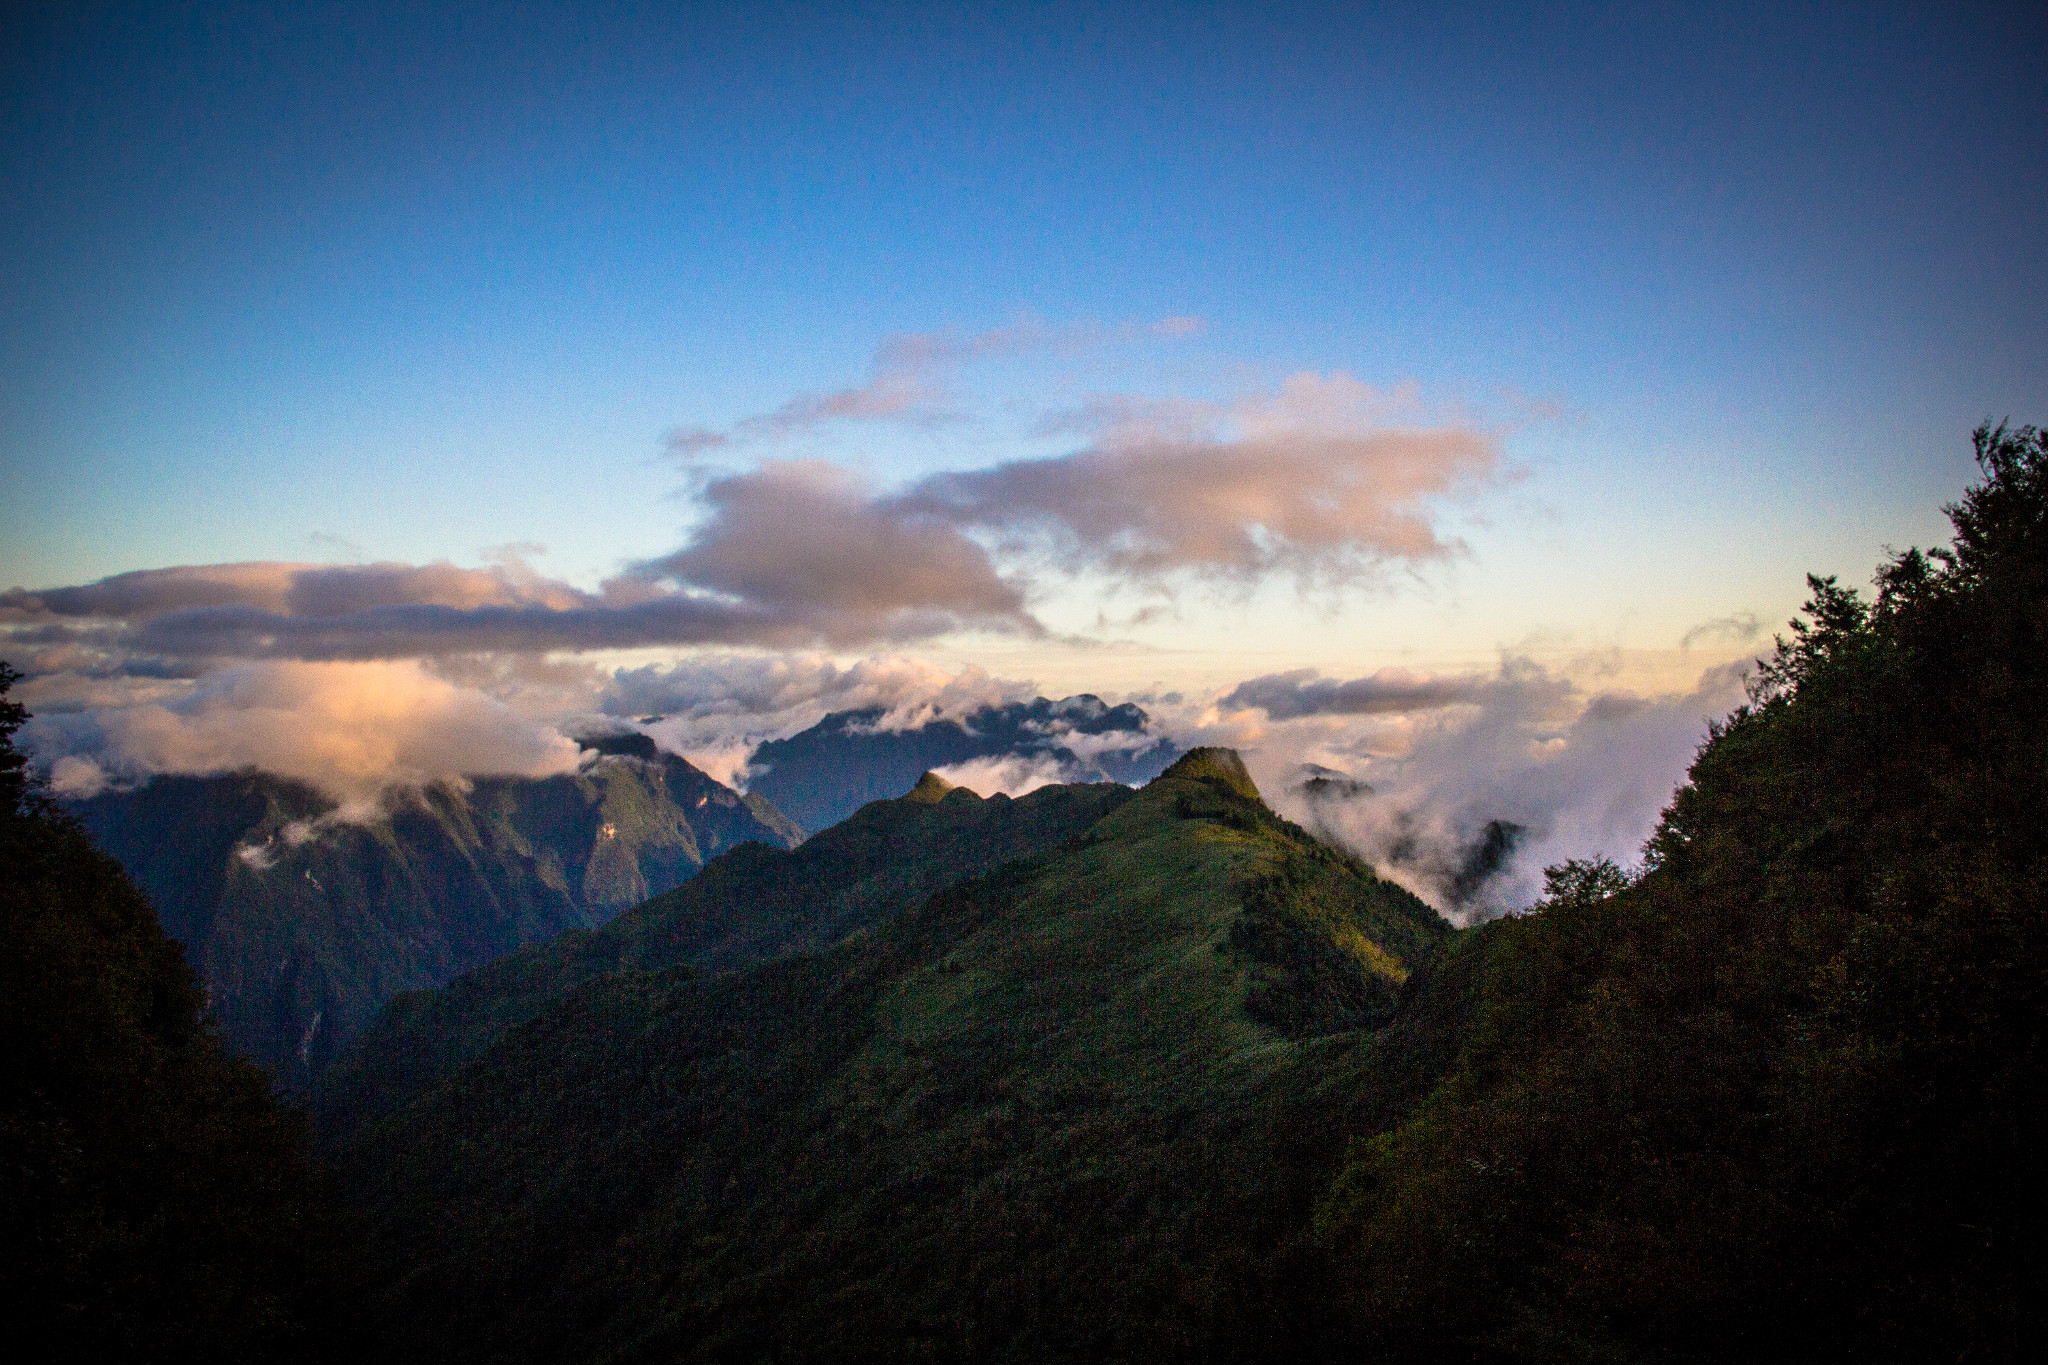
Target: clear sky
[1719, 291]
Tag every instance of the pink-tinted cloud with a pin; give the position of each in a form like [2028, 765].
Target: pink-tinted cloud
[794, 555]
[350, 729]
[290, 590]
[802, 541]
[1302, 481]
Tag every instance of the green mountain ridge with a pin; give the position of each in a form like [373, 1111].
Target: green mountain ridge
[1025, 1112]
[749, 905]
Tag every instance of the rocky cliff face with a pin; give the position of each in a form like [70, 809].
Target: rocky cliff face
[303, 923]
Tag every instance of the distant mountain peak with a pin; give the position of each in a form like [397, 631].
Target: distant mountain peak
[1217, 765]
[931, 789]
[625, 744]
[822, 775]
[1319, 783]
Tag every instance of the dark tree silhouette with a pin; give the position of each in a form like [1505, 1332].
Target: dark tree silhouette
[156, 1203]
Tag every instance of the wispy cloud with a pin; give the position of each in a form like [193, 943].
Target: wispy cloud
[909, 382]
[1738, 629]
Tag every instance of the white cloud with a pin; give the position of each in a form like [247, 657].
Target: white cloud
[350, 729]
[1011, 774]
[1583, 773]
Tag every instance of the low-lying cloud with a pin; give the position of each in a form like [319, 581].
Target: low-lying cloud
[350, 729]
[715, 710]
[1009, 774]
[1476, 786]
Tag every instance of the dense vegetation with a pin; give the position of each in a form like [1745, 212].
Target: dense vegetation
[1776, 1096]
[155, 1202]
[750, 905]
[302, 924]
[1030, 1119]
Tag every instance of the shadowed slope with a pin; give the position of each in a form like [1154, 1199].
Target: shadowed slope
[303, 924]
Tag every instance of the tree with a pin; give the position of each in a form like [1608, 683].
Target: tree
[1776, 1098]
[156, 1203]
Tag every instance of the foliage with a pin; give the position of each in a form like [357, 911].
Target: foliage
[1773, 1098]
[155, 1202]
[749, 905]
[1032, 1118]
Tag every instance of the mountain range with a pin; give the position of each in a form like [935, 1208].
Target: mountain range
[1025, 1113]
[303, 919]
[823, 774]
[1098, 1073]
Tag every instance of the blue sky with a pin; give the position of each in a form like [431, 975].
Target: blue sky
[1728, 285]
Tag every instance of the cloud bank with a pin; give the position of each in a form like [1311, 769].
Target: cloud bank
[1476, 783]
[800, 555]
[352, 730]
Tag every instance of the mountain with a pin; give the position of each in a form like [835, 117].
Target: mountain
[826, 773]
[1033, 1117]
[747, 906]
[1778, 1096]
[302, 922]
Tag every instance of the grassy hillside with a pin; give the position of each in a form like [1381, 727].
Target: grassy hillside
[749, 905]
[302, 924]
[1031, 1119]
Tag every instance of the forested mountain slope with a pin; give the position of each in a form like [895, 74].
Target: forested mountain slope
[1032, 1118]
[748, 905]
[302, 923]
[1778, 1097]
[156, 1204]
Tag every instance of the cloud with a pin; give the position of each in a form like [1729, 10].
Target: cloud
[1010, 774]
[350, 729]
[790, 555]
[801, 543]
[1391, 691]
[1738, 629]
[1528, 769]
[907, 381]
[715, 710]
[1305, 480]
[315, 590]
[778, 688]
[798, 555]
